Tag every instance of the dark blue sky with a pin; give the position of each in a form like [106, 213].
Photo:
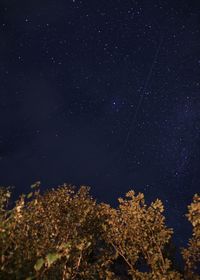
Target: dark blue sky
[102, 93]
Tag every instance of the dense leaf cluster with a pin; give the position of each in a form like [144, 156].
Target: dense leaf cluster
[65, 234]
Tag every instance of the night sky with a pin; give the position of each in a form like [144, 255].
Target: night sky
[102, 93]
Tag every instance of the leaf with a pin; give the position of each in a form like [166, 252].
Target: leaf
[29, 195]
[52, 257]
[65, 246]
[39, 264]
[36, 185]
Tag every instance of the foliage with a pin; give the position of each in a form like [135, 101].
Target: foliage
[137, 232]
[52, 234]
[191, 255]
[65, 234]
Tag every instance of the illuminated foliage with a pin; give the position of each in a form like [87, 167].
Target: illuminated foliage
[191, 255]
[52, 235]
[138, 232]
[65, 234]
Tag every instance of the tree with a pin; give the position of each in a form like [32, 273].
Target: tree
[191, 255]
[64, 234]
[52, 235]
[137, 232]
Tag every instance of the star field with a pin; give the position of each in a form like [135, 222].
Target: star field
[102, 93]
